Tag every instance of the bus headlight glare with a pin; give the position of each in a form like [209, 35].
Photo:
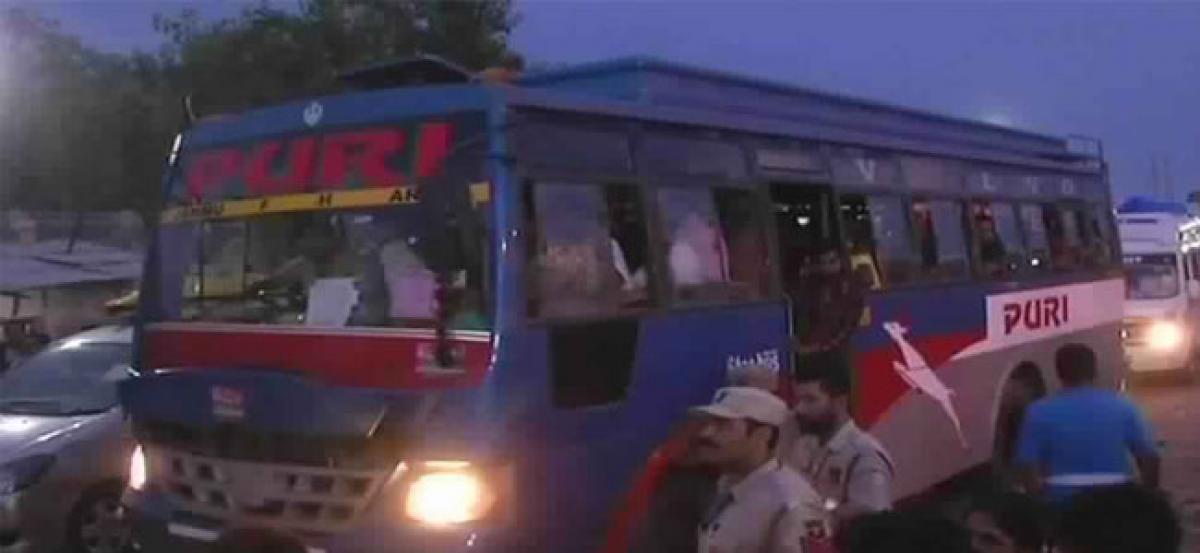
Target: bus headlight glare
[448, 497]
[137, 469]
[1165, 335]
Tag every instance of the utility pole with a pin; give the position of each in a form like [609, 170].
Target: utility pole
[1155, 181]
[1168, 180]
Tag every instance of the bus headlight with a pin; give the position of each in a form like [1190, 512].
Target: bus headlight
[445, 497]
[1165, 335]
[137, 469]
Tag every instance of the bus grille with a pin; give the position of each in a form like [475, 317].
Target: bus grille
[297, 498]
[228, 441]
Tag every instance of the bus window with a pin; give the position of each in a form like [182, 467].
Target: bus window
[997, 239]
[716, 248]
[1036, 239]
[1100, 225]
[939, 228]
[876, 229]
[1063, 233]
[587, 251]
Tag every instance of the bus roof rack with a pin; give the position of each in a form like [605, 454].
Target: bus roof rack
[421, 69]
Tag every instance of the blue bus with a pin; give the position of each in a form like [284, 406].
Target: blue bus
[461, 316]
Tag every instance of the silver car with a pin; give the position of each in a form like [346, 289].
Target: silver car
[64, 450]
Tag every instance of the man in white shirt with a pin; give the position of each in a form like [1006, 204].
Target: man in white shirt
[761, 506]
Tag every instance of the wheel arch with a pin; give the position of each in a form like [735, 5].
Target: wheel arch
[1025, 373]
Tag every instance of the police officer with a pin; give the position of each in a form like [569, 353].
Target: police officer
[761, 506]
[848, 467]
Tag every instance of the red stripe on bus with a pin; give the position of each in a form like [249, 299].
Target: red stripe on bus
[353, 360]
[878, 387]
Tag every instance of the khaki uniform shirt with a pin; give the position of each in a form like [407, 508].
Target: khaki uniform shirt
[852, 470]
[773, 510]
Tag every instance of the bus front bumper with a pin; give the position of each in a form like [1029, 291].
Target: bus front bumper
[156, 527]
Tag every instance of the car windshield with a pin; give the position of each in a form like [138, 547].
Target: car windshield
[67, 378]
[326, 269]
[1151, 277]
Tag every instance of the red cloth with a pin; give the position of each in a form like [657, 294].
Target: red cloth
[636, 505]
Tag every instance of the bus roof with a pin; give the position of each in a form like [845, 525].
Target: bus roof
[657, 82]
[655, 90]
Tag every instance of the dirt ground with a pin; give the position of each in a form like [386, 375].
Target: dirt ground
[1174, 408]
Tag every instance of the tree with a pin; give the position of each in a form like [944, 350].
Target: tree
[81, 130]
[86, 130]
[275, 55]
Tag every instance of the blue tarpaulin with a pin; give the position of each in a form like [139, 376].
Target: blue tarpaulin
[1143, 204]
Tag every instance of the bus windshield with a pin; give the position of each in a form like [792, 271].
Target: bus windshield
[1151, 277]
[372, 267]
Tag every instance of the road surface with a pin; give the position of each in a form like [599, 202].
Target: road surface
[1174, 409]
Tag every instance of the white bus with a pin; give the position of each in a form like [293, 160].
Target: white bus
[1161, 246]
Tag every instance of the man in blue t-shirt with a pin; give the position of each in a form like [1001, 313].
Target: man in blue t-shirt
[1083, 436]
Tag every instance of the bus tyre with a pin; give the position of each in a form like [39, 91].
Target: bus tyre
[97, 523]
[1023, 387]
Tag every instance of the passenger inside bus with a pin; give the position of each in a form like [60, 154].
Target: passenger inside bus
[357, 269]
[698, 252]
[716, 248]
[862, 230]
[1063, 237]
[826, 292]
[410, 283]
[1033, 222]
[993, 257]
[588, 250]
[940, 237]
[316, 249]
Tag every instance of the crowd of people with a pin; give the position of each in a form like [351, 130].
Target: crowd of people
[748, 474]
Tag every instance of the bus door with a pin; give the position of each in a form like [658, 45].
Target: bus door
[810, 256]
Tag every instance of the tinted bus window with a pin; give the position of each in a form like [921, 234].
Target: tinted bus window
[587, 250]
[559, 146]
[677, 156]
[939, 229]
[1097, 250]
[878, 236]
[1036, 240]
[716, 248]
[1063, 233]
[998, 239]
